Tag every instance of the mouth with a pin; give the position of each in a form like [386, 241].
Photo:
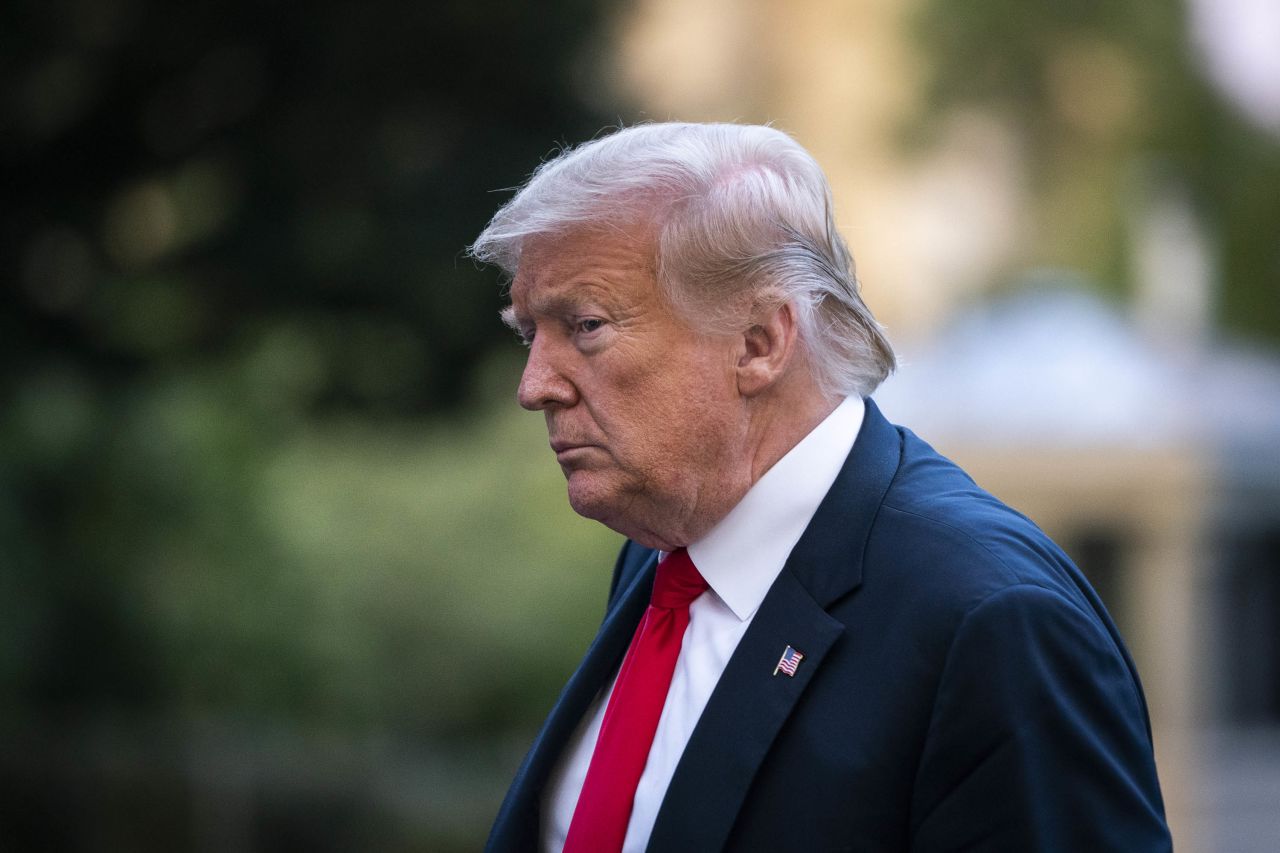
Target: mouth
[565, 451]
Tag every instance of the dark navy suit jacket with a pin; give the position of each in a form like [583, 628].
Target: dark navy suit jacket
[962, 688]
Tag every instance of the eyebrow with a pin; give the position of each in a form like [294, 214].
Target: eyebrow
[556, 304]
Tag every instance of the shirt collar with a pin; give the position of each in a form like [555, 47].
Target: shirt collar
[742, 555]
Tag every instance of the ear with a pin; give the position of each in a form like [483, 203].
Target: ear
[768, 346]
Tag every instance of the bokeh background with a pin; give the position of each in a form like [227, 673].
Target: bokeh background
[282, 566]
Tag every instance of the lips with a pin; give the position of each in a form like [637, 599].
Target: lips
[560, 446]
[569, 451]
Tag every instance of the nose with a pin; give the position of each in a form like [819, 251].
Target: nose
[543, 384]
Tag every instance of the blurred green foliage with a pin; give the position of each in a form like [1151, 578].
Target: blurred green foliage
[1112, 108]
[282, 562]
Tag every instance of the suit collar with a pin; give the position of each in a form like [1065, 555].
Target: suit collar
[828, 559]
[740, 556]
[750, 703]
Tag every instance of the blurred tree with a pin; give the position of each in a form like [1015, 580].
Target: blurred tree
[234, 232]
[1112, 107]
[181, 179]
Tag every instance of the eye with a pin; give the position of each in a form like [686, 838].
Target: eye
[587, 325]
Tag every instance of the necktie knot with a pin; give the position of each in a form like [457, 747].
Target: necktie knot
[677, 582]
[630, 720]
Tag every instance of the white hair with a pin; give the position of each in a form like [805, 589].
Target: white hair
[741, 213]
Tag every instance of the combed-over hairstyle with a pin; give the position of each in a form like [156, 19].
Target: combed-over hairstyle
[742, 214]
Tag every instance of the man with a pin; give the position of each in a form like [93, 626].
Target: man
[847, 645]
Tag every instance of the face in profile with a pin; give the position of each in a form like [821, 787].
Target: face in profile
[642, 409]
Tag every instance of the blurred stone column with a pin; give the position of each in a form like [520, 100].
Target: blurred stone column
[1166, 584]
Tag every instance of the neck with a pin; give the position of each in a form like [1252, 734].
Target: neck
[781, 424]
[771, 425]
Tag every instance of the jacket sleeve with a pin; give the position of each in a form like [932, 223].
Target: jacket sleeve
[1039, 739]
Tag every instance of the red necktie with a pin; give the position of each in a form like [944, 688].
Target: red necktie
[604, 807]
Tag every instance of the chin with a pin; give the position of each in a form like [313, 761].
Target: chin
[588, 504]
[616, 509]
[597, 501]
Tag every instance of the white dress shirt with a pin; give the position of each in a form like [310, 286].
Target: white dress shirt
[740, 558]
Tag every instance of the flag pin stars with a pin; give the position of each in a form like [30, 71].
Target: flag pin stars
[788, 662]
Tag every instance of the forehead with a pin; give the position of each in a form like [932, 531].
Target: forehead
[588, 263]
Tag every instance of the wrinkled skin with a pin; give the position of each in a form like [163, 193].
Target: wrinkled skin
[643, 412]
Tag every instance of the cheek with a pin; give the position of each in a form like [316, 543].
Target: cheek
[665, 408]
[697, 415]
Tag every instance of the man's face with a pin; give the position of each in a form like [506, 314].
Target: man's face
[642, 411]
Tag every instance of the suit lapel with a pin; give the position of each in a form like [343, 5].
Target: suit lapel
[750, 704]
[744, 714]
[517, 824]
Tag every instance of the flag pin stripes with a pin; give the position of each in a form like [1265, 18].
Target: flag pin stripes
[788, 662]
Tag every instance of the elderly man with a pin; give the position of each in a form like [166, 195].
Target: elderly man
[821, 635]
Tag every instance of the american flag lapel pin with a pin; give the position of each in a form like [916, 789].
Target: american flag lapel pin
[788, 662]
